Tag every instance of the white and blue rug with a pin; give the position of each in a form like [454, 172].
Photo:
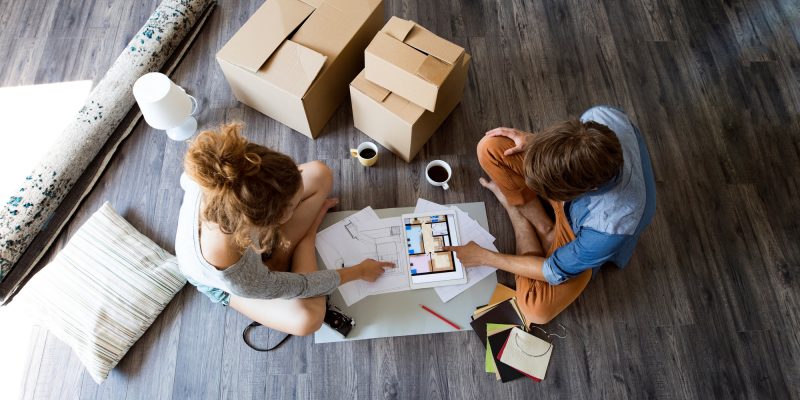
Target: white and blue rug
[25, 213]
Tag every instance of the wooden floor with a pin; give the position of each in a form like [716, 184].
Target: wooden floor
[709, 307]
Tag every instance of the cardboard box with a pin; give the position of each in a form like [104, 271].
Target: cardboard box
[397, 123]
[292, 59]
[411, 61]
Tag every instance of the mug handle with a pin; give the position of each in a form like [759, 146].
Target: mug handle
[195, 105]
[445, 186]
[353, 153]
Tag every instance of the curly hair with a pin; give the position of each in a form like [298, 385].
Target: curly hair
[571, 158]
[247, 187]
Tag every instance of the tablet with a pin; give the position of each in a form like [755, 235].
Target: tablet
[428, 264]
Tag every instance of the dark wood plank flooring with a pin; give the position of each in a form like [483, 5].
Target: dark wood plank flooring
[708, 307]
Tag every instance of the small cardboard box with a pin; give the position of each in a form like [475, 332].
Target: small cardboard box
[292, 59]
[397, 123]
[411, 61]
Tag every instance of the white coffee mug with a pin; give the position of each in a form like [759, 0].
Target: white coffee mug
[367, 162]
[436, 182]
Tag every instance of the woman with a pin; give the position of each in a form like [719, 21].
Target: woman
[247, 228]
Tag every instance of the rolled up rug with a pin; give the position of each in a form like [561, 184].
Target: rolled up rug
[27, 212]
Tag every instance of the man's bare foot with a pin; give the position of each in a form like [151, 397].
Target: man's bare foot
[513, 211]
[534, 212]
[527, 240]
[496, 190]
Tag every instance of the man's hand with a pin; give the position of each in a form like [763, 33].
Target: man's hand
[521, 139]
[470, 255]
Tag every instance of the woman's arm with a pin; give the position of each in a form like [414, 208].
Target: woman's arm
[305, 256]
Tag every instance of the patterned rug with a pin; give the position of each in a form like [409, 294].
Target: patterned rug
[24, 215]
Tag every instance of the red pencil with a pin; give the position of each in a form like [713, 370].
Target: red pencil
[440, 317]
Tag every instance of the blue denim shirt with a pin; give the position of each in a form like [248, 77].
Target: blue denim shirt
[608, 221]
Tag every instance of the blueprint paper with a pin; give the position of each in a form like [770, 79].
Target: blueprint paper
[360, 236]
[336, 254]
[385, 243]
[469, 230]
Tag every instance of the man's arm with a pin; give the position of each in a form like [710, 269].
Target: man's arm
[590, 249]
[529, 266]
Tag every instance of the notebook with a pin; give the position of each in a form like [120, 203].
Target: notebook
[525, 353]
[495, 344]
[504, 313]
[491, 329]
[501, 293]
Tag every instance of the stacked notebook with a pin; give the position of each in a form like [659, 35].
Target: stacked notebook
[511, 352]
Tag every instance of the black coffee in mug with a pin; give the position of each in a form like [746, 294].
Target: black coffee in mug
[367, 154]
[438, 173]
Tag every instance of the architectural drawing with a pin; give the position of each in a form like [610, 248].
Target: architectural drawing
[360, 236]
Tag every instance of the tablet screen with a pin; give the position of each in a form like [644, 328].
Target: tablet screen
[426, 237]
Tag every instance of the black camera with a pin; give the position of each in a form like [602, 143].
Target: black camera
[337, 321]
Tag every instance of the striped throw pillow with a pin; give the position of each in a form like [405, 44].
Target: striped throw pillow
[103, 290]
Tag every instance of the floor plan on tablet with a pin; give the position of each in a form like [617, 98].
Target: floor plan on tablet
[426, 237]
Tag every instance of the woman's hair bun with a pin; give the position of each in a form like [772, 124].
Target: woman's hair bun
[246, 187]
[221, 159]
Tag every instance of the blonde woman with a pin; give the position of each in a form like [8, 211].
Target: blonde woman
[247, 228]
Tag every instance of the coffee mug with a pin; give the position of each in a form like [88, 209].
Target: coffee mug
[438, 173]
[367, 153]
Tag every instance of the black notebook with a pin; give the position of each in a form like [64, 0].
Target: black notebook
[503, 313]
[496, 343]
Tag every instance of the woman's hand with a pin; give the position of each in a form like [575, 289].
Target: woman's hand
[370, 270]
[521, 138]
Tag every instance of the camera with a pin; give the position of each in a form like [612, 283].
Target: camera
[337, 321]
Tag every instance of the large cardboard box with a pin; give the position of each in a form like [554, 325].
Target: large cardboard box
[292, 60]
[397, 123]
[411, 61]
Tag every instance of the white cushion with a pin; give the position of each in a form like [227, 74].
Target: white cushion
[103, 290]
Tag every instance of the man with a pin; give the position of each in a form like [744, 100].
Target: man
[596, 175]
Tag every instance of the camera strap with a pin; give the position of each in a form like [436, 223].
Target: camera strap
[249, 344]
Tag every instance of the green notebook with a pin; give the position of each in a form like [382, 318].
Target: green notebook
[491, 367]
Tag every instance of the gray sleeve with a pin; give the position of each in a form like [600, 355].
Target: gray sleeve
[256, 281]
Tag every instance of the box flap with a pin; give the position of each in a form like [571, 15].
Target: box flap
[313, 3]
[373, 91]
[398, 28]
[433, 70]
[394, 51]
[293, 68]
[403, 108]
[425, 41]
[333, 25]
[264, 32]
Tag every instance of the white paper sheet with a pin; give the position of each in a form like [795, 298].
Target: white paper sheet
[335, 254]
[469, 230]
[388, 246]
